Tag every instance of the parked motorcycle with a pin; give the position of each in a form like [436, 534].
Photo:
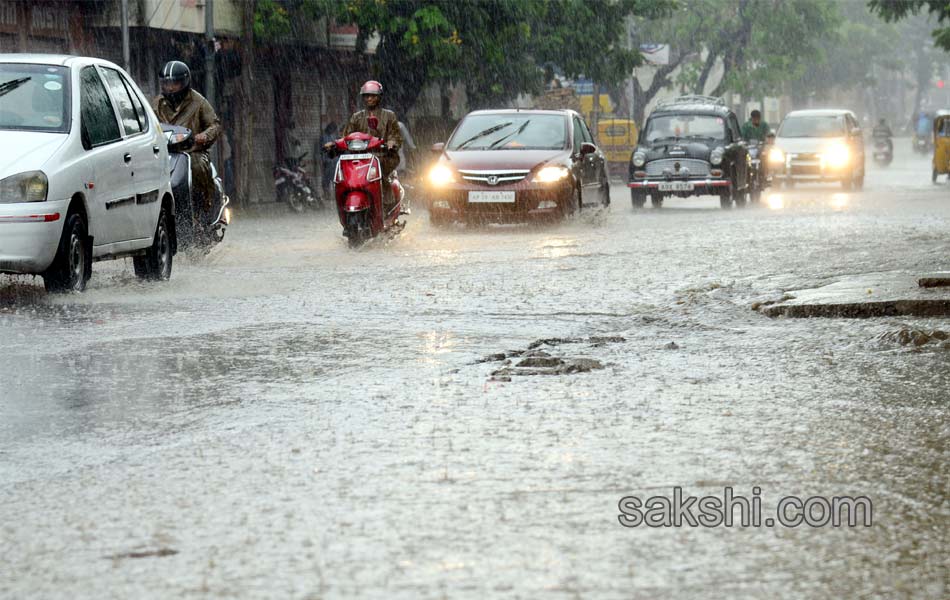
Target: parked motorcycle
[359, 189]
[883, 150]
[195, 226]
[293, 185]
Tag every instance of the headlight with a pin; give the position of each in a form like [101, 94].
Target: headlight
[836, 156]
[639, 159]
[30, 186]
[357, 145]
[776, 155]
[441, 175]
[715, 157]
[551, 174]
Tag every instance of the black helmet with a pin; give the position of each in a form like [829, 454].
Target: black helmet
[175, 71]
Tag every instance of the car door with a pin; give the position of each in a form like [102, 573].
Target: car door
[142, 150]
[583, 162]
[110, 200]
[596, 160]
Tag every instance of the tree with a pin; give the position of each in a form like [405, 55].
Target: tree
[896, 10]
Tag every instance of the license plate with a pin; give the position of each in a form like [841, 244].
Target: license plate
[491, 196]
[676, 186]
[356, 157]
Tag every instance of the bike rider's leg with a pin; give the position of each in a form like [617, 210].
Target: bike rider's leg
[202, 185]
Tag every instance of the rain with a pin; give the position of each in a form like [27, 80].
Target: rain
[474, 299]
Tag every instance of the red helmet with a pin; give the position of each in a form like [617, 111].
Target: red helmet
[371, 88]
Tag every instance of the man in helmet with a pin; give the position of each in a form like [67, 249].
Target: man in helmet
[379, 122]
[180, 105]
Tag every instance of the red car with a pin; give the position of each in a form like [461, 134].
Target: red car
[513, 165]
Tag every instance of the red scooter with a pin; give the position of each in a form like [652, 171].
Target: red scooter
[359, 189]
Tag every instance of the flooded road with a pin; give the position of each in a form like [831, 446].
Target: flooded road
[289, 418]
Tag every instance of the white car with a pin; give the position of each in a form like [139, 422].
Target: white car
[84, 171]
[818, 146]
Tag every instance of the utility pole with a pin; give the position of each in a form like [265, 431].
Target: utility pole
[125, 35]
[209, 51]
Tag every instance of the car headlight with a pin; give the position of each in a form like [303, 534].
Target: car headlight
[551, 174]
[639, 159]
[715, 157]
[30, 186]
[836, 156]
[776, 155]
[440, 175]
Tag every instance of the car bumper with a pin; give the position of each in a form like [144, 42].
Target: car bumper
[529, 202]
[809, 171]
[29, 235]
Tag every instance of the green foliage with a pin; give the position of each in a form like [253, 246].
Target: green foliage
[896, 10]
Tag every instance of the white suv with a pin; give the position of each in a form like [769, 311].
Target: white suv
[84, 172]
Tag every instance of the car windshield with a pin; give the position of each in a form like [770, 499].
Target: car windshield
[813, 126]
[34, 98]
[511, 131]
[675, 127]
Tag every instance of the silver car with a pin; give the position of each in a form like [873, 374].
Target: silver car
[818, 146]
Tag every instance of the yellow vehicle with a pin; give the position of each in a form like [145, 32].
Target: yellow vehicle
[941, 160]
[617, 139]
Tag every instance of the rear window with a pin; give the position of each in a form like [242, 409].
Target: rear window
[812, 126]
[34, 98]
[510, 131]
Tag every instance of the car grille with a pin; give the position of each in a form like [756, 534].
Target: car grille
[695, 167]
[495, 177]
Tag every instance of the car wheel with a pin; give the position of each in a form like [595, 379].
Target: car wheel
[859, 182]
[156, 264]
[725, 201]
[847, 183]
[656, 200]
[933, 176]
[755, 195]
[738, 197]
[437, 219]
[71, 266]
[637, 199]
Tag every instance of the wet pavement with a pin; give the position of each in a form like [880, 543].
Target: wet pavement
[288, 418]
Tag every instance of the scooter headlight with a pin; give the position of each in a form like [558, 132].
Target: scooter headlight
[357, 145]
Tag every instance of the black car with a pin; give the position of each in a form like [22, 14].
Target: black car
[690, 146]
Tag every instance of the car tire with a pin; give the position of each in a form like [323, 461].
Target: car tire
[738, 196]
[605, 192]
[847, 183]
[637, 200]
[156, 263]
[72, 265]
[656, 201]
[933, 176]
[438, 220]
[755, 195]
[725, 201]
[859, 183]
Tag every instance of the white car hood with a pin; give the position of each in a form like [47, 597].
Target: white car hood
[27, 150]
[799, 145]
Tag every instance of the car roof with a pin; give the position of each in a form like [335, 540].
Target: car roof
[57, 60]
[820, 112]
[698, 108]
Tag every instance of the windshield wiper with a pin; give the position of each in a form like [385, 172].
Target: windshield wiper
[9, 86]
[510, 135]
[669, 137]
[482, 134]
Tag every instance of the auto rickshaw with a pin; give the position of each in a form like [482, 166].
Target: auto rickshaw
[618, 138]
[941, 140]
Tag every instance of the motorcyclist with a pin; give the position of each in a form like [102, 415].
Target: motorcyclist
[378, 122]
[755, 128]
[882, 131]
[180, 105]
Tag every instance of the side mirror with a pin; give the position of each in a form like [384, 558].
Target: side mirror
[856, 132]
[438, 148]
[588, 148]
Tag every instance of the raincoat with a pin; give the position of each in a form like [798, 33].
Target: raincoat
[751, 132]
[387, 129]
[195, 113]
